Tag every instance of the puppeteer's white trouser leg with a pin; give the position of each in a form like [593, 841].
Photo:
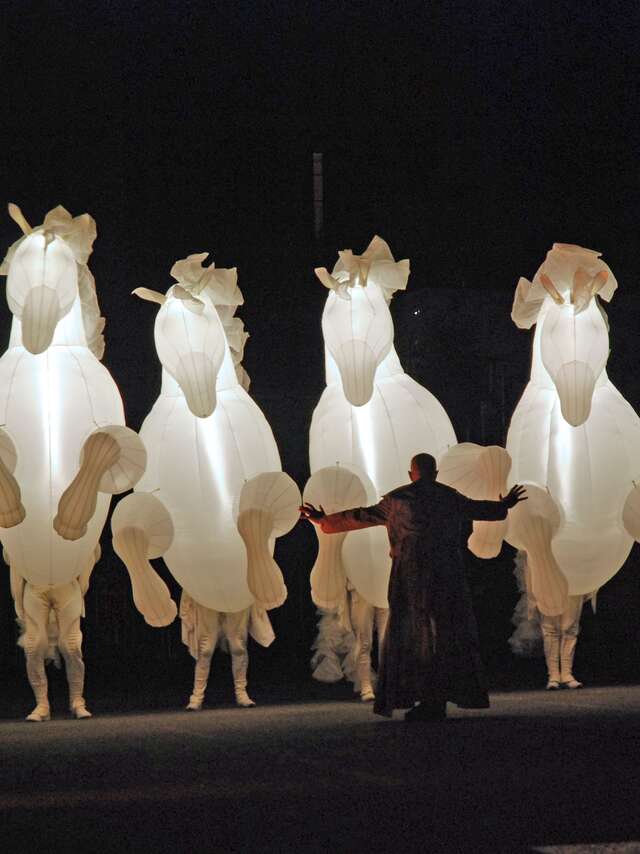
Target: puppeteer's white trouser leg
[363, 619]
[560, 635]
[236, 631]
[208, 628]
[67, 604]
[551, 641]
[35, 641]
[570, 624]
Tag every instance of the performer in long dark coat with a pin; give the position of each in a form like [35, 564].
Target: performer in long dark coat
[430, 652]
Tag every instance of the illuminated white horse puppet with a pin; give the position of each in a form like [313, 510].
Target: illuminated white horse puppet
[575, 443]
[371, 419]
[213, 497]
[63, 443]
[574, 434]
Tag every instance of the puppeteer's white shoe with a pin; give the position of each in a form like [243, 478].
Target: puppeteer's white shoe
[39, 714]
[553, 685]
[80, 711]
[367, 695]
[243, 699]
[572, 683]
[194, 705]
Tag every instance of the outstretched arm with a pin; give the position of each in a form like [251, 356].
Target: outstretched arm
[492, 511]
[347, 520]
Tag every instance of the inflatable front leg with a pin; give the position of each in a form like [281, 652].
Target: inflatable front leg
[480, 473]
[268, 508]
[142, 529]
[328, 578]
[11, 510]
[112, 460]
[532, 526]
[333, 488]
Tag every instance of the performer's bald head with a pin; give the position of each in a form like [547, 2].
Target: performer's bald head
[423, 466]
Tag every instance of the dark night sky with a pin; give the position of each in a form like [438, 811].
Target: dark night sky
[471, 135]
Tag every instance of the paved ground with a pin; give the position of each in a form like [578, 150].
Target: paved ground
[537, 772]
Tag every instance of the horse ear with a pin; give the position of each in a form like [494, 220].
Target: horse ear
[323, 274]
[18, 217]
[149, 295]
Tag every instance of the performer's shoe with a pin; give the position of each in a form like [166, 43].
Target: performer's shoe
[553, 685]
[39, 714]
[367, 695]
[426, 712]
[194, 704]
[243, 699]
[80, 711]
[572, 683]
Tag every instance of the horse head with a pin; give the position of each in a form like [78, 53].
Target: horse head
[356, 322]
[573, 335]
[45, 269]
[189, 332]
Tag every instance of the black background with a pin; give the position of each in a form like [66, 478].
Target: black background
[470, 135]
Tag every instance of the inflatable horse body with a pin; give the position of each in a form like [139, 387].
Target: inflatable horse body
[214, 497]
[206, 438]
[64, 448]
[54, 395]
[572, 433]
[371, 419]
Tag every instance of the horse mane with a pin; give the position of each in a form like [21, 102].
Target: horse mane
[78, 233]
[221, 286]
[236, 339]
[92, 320]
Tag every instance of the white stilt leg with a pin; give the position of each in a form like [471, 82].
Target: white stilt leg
[362, 619]
[570, 623]
[67, 603]
[207, 630]
[35, 641]
[551, 640]
[235, 628]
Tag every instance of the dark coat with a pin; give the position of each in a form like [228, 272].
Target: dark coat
[430, 650]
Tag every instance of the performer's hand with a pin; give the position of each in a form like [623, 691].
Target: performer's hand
[309, 512]
[516, 493]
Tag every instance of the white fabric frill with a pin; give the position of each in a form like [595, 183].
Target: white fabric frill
[53, 636]
[334, 644]
[259, 626]
[526, 640]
